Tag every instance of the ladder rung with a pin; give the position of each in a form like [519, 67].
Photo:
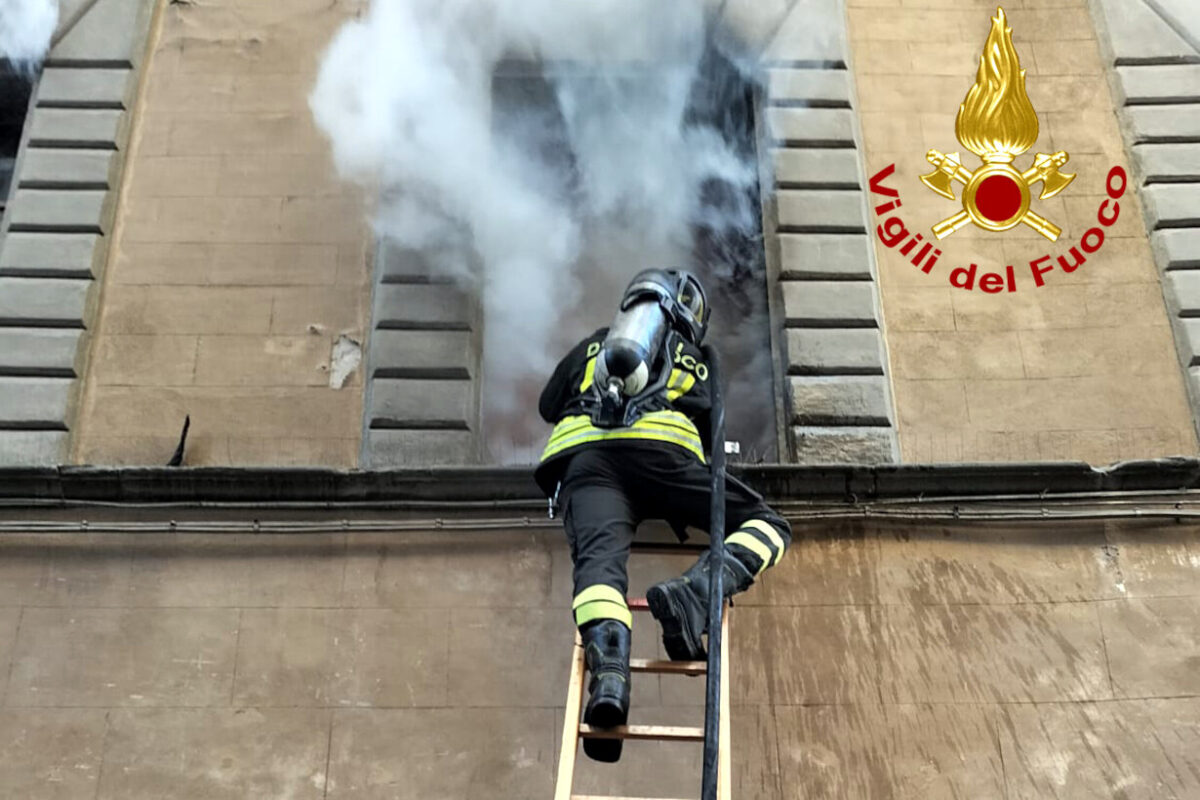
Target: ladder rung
[668, 667]
[637, 604]
[667, 548]
[662, 733]
[613, 797]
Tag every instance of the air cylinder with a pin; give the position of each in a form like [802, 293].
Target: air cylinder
[632, 344]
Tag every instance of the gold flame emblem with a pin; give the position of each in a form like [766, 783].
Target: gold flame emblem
[997, 122]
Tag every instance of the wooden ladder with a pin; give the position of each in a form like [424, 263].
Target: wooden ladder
[574, 730]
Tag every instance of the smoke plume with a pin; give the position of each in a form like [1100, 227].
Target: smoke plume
[25, 30]
[541, 153]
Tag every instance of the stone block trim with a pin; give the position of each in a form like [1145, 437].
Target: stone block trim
[44, 352]
[1189, 340]
[1138, 33]
[422, 353]
[1178, 249]
[59, 211]
[811, 127]
[835, 351]
[832, 400]
[1155, 75]
[43, 303]
[830, 304]
[1177, 123]
[84, 88]
[845, 445]
[429, 448]
[817, 257]
[1167, 163]
[817, 211]
[1163, 85]
[69, 169]
[54, 233]
[1171, 205]
[815, 168]
[422, 397]
[76, 128]
[111, 35]
[840, 408]
[35, 403]
[412, 402]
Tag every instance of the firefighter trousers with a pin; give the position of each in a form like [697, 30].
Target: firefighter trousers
[607, 491]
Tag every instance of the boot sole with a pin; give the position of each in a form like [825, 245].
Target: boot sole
[604, 714]
[678, 639]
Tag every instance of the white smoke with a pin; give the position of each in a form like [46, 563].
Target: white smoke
[25, 29]
[406, 95]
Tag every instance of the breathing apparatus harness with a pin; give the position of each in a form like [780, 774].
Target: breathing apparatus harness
[660, 310]
[610, 408]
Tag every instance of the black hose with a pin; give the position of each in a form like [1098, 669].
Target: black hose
[716, 589]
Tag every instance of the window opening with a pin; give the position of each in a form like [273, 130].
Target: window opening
[721, 240]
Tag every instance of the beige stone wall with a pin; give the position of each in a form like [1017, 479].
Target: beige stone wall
[874, 662]
[1080, 368]
[239, 257]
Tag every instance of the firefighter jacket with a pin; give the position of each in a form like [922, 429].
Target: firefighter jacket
[678, 416]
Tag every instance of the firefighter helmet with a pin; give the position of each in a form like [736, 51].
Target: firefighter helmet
[680, 295]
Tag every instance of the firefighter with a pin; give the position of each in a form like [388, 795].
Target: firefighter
[631, 408]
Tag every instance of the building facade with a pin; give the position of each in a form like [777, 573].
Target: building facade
[880, 659]
[177, 243]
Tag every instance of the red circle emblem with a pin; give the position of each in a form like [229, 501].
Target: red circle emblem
[998, 198]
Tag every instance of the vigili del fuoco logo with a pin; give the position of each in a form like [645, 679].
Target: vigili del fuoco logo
[997, 122]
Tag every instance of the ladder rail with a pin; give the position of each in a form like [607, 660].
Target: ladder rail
[725, 749]
[570, 732]
[713, 705]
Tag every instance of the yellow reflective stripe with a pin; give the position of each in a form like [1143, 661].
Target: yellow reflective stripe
[665, 417]
[601, 602]
[690, 444]
[598, 591]
[603, 609]
[588, 438]
[658, 420]
[662, 426]
[679, 384]
[754, 545]
[589, 373]
[769, 531]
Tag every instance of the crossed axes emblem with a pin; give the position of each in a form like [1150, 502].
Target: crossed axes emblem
[1005, 197]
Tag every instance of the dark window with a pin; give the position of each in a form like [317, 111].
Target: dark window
[15, 88]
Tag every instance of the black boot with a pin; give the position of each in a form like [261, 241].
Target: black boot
[606, 649]
[681, 605]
